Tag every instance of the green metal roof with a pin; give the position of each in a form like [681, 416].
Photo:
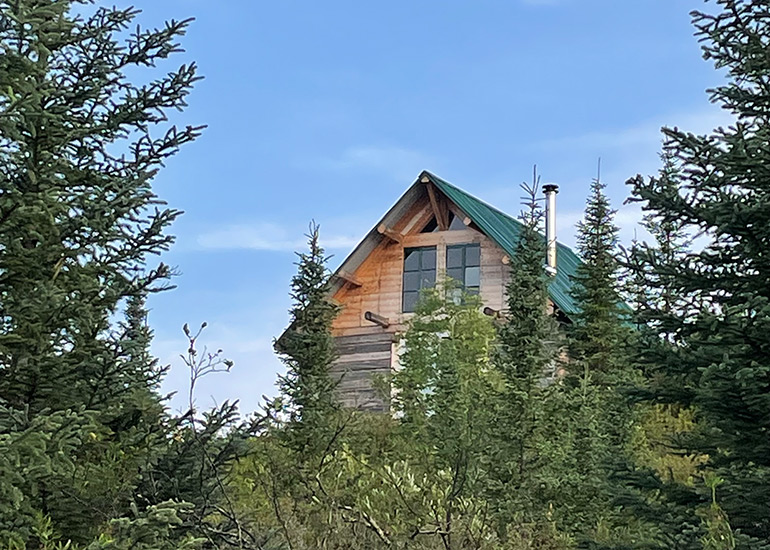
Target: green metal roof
[505, 231]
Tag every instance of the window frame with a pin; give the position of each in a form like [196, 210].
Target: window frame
[464, 266]
[420, 270]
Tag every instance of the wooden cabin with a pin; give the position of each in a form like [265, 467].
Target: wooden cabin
[434, 229]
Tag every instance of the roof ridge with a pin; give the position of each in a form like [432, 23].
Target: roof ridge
[506, 230]
[466, 193]
[442, 181]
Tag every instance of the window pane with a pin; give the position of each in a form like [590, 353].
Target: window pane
[456, 224]
[472, 255]
[428, 279]
[411, 281]
[411, 259]
[410, 300]
[454, 256]
[472, 276]
[419, 273]
[431, 227]
[474, 290]
[455, 273]
[428, 258]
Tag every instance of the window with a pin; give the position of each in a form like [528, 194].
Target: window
[463, 264]
[419, 273]
[455, 224]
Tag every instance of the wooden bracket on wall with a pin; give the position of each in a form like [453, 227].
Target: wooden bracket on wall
[390, 233]
[384, 322]
[492, 313]
[349, 278]
[460, 215]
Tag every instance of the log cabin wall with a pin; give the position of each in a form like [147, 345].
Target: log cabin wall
[381, 276]
[367, 350]
[368, 285]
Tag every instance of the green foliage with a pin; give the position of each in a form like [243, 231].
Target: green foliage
[151, 529]
[443, 397]
[719, 534]
[87, 451]
[704, 347]
[416, 479]
[307, 349]
[598, 334]
[35, 451]
[525, 356]
[653, 439]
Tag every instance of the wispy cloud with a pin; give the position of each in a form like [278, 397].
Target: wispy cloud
[646, 134]
[397, 162]
[267, 237]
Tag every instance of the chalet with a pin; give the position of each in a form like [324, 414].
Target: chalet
[434, 229]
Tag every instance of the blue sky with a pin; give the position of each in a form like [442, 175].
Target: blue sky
[329, 110]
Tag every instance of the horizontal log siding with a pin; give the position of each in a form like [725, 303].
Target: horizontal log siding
[361, 358]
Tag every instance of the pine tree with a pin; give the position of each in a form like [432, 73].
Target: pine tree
[595, 422]
[598, 334]
[307, 349]
[711, 351]
[528, 343]
[79, 219]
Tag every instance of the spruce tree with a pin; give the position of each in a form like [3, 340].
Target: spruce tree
[653, 452]
[711, 350]
[528, 342]
[598, 334]
[595, 420]
[79, 147]
[307, 349]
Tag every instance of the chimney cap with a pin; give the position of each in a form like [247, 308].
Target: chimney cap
[550, 188]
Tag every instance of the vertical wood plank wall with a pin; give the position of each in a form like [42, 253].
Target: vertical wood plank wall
[381, 278]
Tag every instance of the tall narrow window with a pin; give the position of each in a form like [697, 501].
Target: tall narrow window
[419, 273]
[463, 264]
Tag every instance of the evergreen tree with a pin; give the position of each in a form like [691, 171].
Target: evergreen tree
[710, 353]
[593, 419]
[82, 427]
[652, 453]
[598, 334]
[528, 342]
[307, 349]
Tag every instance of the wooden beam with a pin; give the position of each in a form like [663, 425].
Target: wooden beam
[349, 278]
[418, 220]
[390, 233]
[438, 211]
[384, 322]
[491, 312]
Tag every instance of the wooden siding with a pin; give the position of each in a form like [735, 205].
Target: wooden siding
[380, 277]
[366, 350]
[361, 358]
